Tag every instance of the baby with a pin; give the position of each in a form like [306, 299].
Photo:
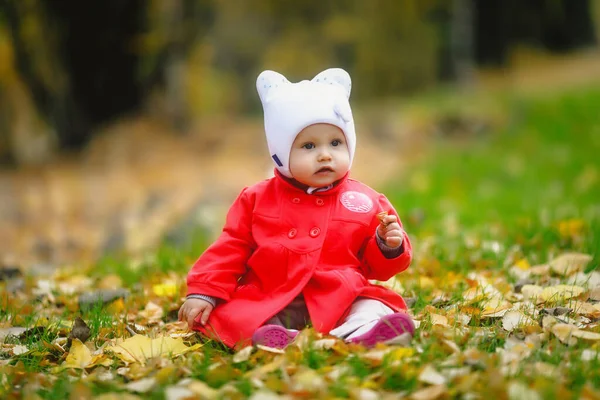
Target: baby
[300, 248]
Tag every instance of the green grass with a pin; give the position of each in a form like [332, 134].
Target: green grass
[526, 188]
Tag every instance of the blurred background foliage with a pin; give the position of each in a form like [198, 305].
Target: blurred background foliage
[68, 67]
[126, 122]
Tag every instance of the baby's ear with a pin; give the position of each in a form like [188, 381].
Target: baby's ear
[268, 80]
[335, 76]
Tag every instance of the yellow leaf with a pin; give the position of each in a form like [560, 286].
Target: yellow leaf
[139, 348]
[560, 293]
[523, 264]
[586, 309]
[532, 292]
[79, 356]
[564, 332]
[167, 289]
[587, 335]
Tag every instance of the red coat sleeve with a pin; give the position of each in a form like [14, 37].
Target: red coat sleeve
[374, 264]
[218, 269]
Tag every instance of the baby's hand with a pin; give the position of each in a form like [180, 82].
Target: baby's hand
[192, 308]
[389, 230]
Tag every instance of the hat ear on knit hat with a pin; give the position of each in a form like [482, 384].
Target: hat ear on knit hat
[291, 107]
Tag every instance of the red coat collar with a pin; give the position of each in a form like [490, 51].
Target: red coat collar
[294, 185]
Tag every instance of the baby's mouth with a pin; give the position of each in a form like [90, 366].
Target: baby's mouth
[325, 170]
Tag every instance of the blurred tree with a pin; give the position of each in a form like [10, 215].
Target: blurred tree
[554, 25]
[85, 63]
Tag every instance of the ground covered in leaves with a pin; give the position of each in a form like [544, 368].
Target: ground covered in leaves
[504, 288]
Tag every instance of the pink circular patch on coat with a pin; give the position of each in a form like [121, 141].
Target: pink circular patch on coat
[356, 201]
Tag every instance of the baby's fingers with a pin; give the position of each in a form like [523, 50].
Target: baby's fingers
[205, 315]
[191, 316]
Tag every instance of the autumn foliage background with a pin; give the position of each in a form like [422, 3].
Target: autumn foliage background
[127, 128]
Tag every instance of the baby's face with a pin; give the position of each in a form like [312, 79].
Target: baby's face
[319, 155]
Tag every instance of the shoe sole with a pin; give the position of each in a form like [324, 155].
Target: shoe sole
[273, 336]
[387, 328]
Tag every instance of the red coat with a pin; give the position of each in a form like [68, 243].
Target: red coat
[279, 241]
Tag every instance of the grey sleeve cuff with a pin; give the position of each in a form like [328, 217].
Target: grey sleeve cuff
[387, 251]
[210, 299]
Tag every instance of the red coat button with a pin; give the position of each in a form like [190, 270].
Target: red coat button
[320, 202]
[292, 233]
[314, 232]
[295, 200]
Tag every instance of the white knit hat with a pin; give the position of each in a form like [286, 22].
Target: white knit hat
[291, 107]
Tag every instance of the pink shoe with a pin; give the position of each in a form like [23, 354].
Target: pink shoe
[388, 327]
[273, 336]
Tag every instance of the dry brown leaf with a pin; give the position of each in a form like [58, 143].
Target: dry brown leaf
[595, 294]
[569, 263]
[430, 393]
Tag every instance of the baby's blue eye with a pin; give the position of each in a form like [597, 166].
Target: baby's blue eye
[336, 143]
[308, 146]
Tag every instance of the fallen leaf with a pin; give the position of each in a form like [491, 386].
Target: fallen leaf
[6, 332]
[167, 289]
[139, 348]
[141, 386]
[431, 376]
[437, 319]
[324, 344]
[569, 263]
[153, 312]
[202, 390]
[243, 354]
[79, 356]
[516, 319]
[586, 309]
[586, 335]
[19, 349]
[178, 393]
[561, 293]
[429, 393]
[532, 293]
[520, 391]
[564, 333]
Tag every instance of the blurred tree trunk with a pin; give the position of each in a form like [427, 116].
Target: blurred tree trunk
[36, 46]
[462, 41]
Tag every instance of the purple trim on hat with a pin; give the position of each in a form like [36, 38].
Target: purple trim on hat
[276, 159]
